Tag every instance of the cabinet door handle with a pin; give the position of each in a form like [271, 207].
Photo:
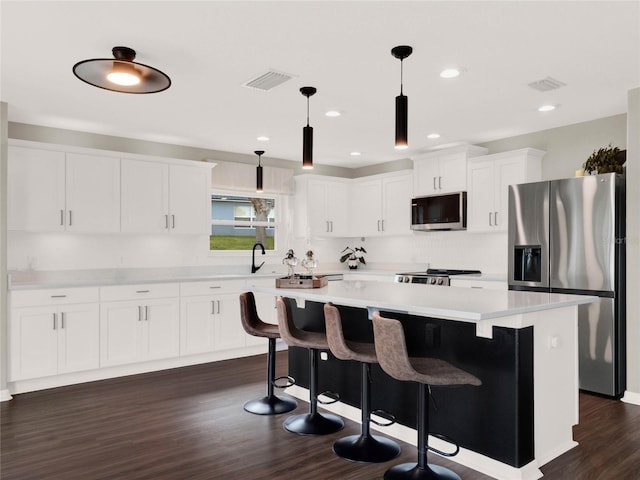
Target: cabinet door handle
[61, 218]
[139, 313]
[434, 183]
[218, 302]
[490, 224]
[62, 318]
[495, 218]
[166, 222]
[378, 225]
[439, 183]
[327, 222]
[54, 321]
[70, 218]
[213, 307]
[173, 221]
[146, 313]
[382, 223]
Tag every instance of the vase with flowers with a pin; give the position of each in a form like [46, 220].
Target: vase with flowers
[353, 257]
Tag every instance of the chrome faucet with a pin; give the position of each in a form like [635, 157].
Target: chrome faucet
[254, 269]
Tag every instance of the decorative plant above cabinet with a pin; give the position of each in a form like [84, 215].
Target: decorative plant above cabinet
[606, 160]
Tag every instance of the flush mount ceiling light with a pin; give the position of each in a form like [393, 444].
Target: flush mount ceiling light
[450, 73]
[307, 133]
[433, 136]
[121, 73]
[402, 106]
[259, 171]
[333, 113]
[546, 108]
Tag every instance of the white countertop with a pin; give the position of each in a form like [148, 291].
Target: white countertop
[455, 303]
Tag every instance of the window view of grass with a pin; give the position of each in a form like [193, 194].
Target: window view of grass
[231, 242]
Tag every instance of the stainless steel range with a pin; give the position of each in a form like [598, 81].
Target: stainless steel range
[433, 276]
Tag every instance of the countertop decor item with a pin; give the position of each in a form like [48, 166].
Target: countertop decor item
[290, 261]
[606, 160]
[353, 256]
[121, 73]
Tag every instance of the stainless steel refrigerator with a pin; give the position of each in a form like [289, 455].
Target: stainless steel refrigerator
[568, 236]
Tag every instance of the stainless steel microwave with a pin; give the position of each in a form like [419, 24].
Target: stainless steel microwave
[439, 212]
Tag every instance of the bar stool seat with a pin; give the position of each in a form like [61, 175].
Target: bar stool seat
[271, 404]
[394, 359]
[314, 422]
[364, 447]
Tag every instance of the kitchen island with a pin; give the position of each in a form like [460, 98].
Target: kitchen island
[522, 345]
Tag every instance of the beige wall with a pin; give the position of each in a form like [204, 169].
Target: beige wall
[3, 250]
[633, 247]
[35, 133]
[568, 147]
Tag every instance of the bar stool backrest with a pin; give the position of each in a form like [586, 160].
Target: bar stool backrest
[335, 335]
[391, 348]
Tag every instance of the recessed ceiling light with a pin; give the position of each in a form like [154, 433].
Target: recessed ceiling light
[450, 73]
[433, 135]
[355, 154]
[546, 108]
[262, 138]
[333, 113]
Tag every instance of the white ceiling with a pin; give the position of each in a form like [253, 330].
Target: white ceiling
[210, 48]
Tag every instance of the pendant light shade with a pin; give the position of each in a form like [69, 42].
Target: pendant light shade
[402, 104]
[259, 171]
[307, 133]
[121, 73]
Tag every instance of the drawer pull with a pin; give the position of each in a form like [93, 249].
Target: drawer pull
[58, 296]
[217, 286]
[142, 291]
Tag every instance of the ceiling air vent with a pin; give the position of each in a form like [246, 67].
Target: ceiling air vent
[546, 84]
[268, 80]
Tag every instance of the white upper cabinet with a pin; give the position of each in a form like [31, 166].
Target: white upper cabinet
[56, 191]
[489, 178]
[157, 197]
[321, 206]
[381, 205]
[444, 171]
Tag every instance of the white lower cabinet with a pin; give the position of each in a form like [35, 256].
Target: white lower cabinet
[139, 329]
[210, 316]
[53, 339]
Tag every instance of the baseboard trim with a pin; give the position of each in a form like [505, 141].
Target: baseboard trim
[5, 396]
[631, 397]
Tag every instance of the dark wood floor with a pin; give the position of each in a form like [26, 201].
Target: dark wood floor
[188, 424]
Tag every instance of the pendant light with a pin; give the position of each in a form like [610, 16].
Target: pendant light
[121, 73]
[402, 106]
[259, 171]
[307, 133]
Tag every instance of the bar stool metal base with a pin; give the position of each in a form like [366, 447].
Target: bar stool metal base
[270, 405]
[411, 471]
[313, 423]
[368, 449]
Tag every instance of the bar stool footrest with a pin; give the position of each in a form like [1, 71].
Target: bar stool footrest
[335, 397]
[385, 415]
[448, 440]
[290, 382]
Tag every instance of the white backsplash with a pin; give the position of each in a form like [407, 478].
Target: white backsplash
[60, 251]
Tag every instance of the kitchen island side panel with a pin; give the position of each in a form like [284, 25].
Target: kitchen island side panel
[496, 419]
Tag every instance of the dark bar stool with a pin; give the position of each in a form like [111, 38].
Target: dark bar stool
[312, 423]
[271, 404]
[364, 447]
[392, 353]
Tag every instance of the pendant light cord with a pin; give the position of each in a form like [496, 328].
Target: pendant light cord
[401, 76]
[307, 110]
